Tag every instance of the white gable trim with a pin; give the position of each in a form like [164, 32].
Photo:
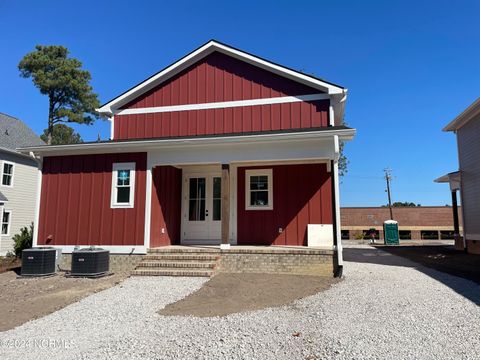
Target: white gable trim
[202, 52]
[471, 112]
[224, 104]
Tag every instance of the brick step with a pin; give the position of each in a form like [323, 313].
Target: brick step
[175, 264]
[181, 257]
[171, 272]
[168, 250]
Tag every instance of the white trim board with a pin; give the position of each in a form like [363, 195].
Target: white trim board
[37, 204]
[224, 104]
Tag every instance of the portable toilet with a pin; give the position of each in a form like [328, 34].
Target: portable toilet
[390, 232]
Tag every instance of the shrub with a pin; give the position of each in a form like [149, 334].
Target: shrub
[360, 236]
[23, 240]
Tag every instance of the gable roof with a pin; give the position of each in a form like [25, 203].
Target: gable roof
[471, 112]
[206, 50]
[14, 133]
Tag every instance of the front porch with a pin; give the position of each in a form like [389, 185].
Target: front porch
[275, 203]
[210, 260]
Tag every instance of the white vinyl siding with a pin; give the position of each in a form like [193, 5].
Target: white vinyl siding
[468, 151]
[21, 197]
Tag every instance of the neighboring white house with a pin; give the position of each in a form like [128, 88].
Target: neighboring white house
[467, 180]
[18, 179]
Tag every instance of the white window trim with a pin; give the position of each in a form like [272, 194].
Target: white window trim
[259, 172]
[9, 222]
[113, 198]
[13, 173]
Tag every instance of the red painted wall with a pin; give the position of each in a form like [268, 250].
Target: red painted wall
[75, 201]
[219, 77]
[302, 194]
[299, 115]
[166, 206]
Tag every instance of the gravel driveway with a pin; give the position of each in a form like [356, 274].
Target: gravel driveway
[386, 308]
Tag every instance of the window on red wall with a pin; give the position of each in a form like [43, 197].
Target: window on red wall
[258, 189]
[123, 185]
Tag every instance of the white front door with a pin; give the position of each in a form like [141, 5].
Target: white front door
[201, 209]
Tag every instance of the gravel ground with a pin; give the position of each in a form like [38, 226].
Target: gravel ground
[394, 310]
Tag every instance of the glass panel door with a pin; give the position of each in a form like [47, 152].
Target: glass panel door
[217, 199]
[196, 200]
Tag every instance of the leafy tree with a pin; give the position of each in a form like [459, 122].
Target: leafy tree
[23, 240]
[342, 161]
[403, 204]
[61, 135]
[67, 85]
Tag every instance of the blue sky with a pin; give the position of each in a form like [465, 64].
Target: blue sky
[410, 67]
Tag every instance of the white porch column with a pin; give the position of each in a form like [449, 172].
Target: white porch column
[336, 194]
[225, 193]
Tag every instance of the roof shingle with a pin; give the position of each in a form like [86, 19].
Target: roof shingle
[14, 133]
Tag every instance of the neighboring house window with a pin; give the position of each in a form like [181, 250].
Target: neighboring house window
[7, 174]
[6, 220]
[258, 189]
[123, 185]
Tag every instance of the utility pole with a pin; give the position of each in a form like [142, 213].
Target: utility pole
[388, 178]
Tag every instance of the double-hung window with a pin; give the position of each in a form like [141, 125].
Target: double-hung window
[7, 173]
[258, 189]
[123, 185]
[6, 221]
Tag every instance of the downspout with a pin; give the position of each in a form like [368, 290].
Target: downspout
[338, 271]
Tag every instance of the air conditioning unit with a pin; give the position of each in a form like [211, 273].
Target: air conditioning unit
[90, 262]
[38, 261]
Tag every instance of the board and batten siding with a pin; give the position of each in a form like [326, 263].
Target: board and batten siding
[468, 151]
[221, 78]
[21, 196]
[166, 210]
[302, 195]
[76, 201]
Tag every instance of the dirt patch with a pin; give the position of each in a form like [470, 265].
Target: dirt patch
[232, 293]
[25, 299]
[9, 263]
[442, 258]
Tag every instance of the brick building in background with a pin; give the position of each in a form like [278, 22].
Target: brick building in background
[415, 223]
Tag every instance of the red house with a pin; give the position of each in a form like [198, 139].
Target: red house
[221, 147]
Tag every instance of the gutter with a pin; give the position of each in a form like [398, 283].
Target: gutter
[25, 155]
